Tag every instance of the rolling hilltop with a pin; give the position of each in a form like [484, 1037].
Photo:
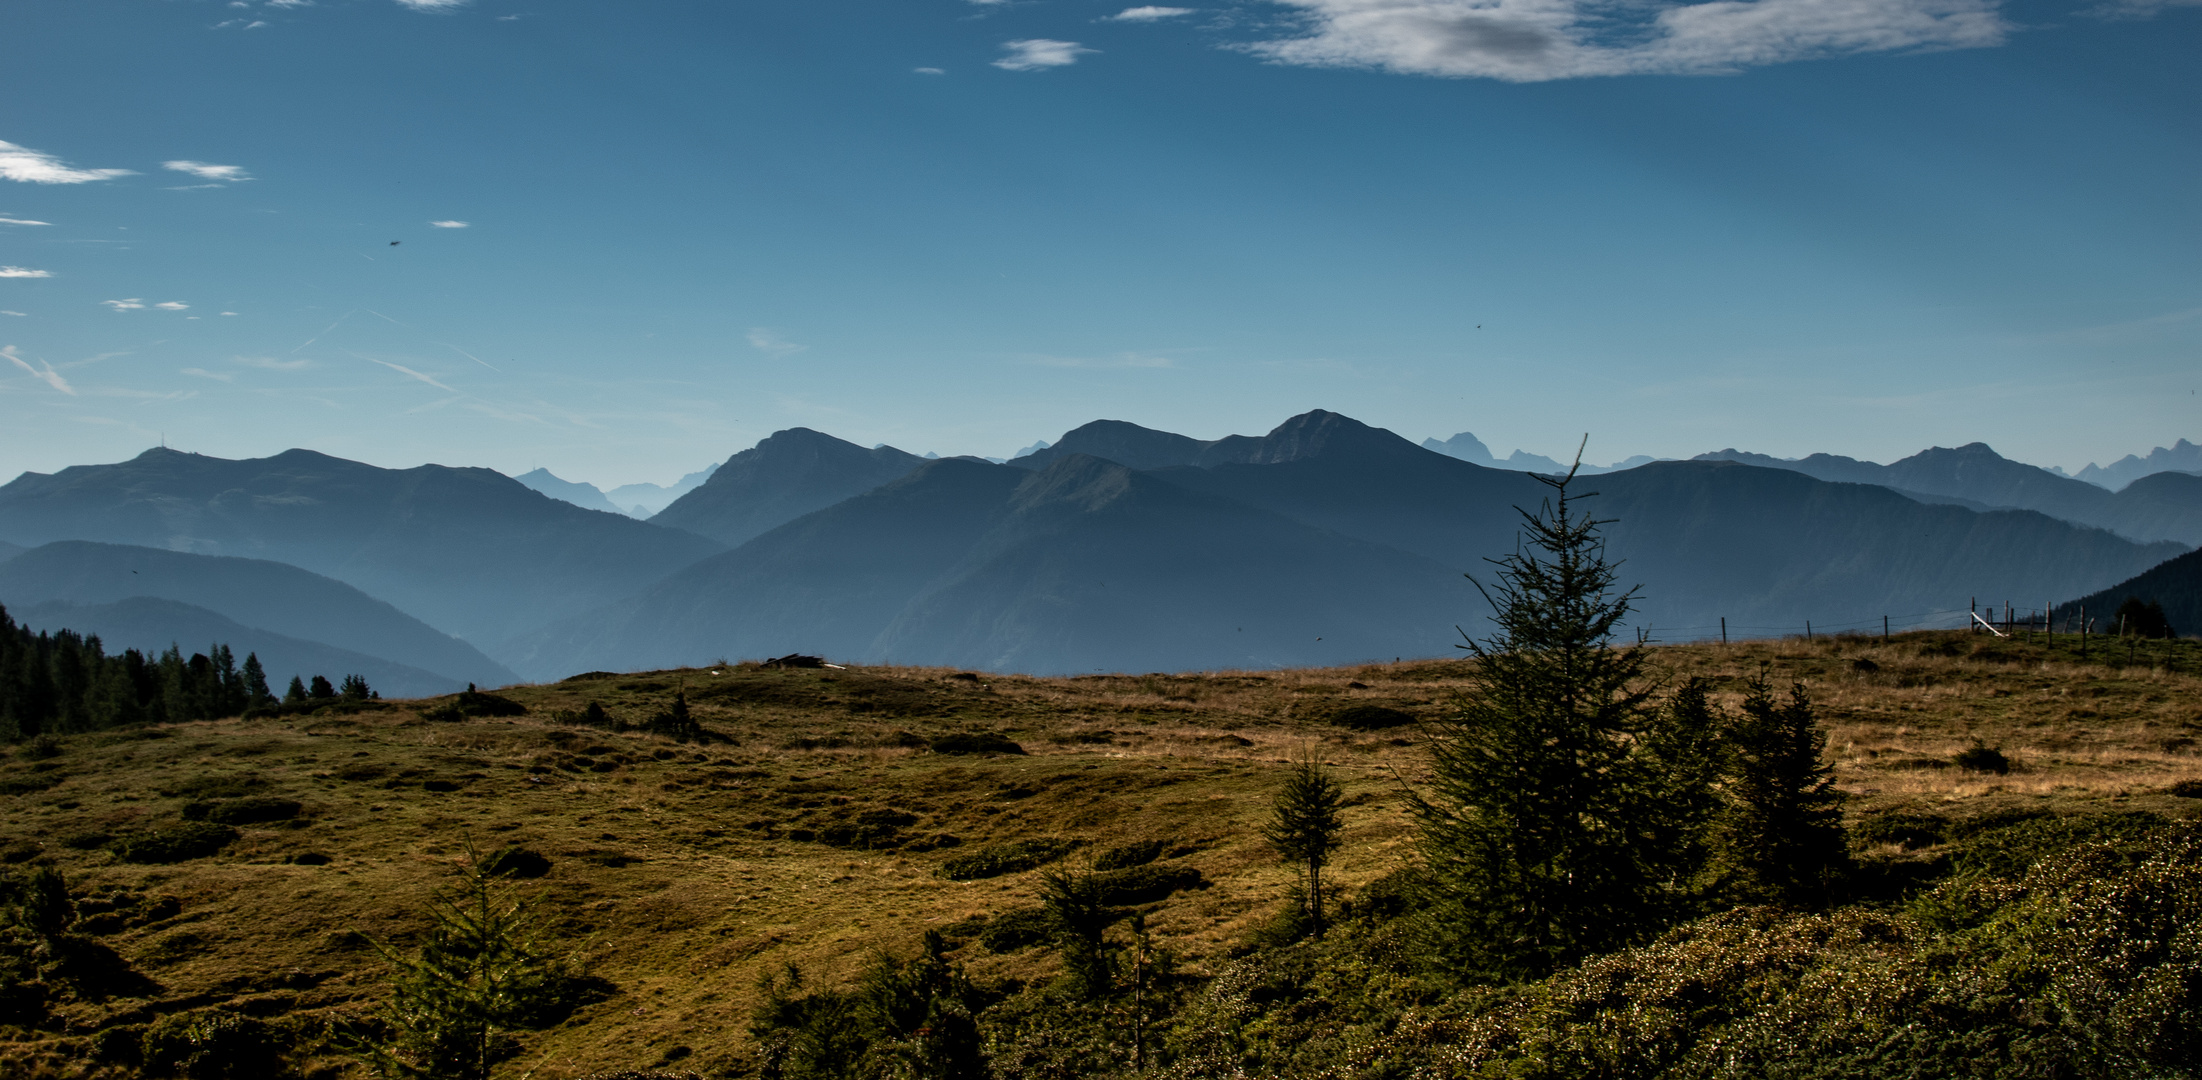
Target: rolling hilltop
[820, 822]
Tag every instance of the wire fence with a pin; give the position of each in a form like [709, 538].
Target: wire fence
[1653, 631]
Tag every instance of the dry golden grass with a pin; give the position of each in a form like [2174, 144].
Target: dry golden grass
[676, 876]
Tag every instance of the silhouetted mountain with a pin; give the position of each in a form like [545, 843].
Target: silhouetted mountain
[1976, 476]
[2174, 583]
[585, 496]
[1082, 565]
[1760, 547]
[789, 474]
[2181, 456]
[645, 500]
[263, 595]
[469, 551]
[151, 625]
[1470, 449]
[9, 551]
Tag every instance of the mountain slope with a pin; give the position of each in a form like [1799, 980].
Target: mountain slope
[469, 551]
[789, 474]
[2174, 583]
[2181, 456]
[1082, 565]
[645, 500]
[585, 496]
[1976, 475]
[269, 596]
[151, 625]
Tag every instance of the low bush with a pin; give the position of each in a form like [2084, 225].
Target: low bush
[1983, 759]
[1371, 718]
[1128, 855]
[190, 840]
[981, 742]
[995, 860]
[1021, 928]
[247, 811]
[515, 861]
[1145, 884]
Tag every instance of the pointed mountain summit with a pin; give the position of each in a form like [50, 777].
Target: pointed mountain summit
[2181, 456]
[1309, 434]
[585, 496]
[789, 474]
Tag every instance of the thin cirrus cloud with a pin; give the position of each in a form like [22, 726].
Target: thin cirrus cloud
[22, 221]
[1541, 40]
[23, 272]
[21, 163]
[132, 304]
[770, 341]
[1040, 54]
[1149, 14]
[269, 363]
[173, 305]
[412, 374]
[448, 224]
[44, 373]
[433, 5]
[217, 376]
[207, 170]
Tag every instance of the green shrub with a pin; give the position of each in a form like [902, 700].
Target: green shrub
[981, 742]
[1128, 855]
[1145, 884]
[247, 811]
[515, 861]
[1983, 759]
[1370, 718]
[1021, 928]
[213, 1046]
[190, 840]
[1905, 830]
[995, 860]
[2010, 851]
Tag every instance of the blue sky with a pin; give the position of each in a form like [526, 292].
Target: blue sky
[671, 228]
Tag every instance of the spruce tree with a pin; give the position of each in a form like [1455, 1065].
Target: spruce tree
[256, 683]
[1781, 834]
[296, 693]
[1533, 821]
[1304, 827]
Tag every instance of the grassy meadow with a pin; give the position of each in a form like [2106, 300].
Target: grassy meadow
[812, 828]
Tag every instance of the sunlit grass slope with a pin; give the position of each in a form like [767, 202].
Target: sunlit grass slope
[814, 830]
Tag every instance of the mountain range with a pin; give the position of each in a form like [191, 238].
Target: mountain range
[1116, 547]
[634, 500]
[2160, 506]
[1468, 448]
[2181, 456]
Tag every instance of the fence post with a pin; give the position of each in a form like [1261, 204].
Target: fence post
[1884, 629]
[1724, 630]
[1808, 631]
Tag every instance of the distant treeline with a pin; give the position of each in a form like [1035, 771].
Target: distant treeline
[59, 682]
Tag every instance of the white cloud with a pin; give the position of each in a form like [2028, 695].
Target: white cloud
[448, 224]
[770, 341]
[21, 221]
[1537, 40]
[173, 305]
[2135, 9]
[214, 375]
[269, 363]
[1149, 14]
[410, 373]
[207, 171]
[132, 304]
[33, 167]
[1039, 54]
[928, 71]
[17, 314]
[290, 3]
[434, 5]
[21, 271]
[229, 313]
[48, 376]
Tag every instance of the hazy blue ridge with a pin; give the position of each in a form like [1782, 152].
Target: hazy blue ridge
[471, 552]
[270, 596]
[645, 500]
[151, 625]
[2181, 456]
[585, 496]
[2169, 509]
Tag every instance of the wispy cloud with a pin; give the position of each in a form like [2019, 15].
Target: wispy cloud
[44, 372]
[928, 71]
[269, 363]
[173, 305]
[771, 341]
[1538, 40]
[448, 224]
[2135, 9]
[17, 314]
[217, 376]
[132, 304]
[412, 374]
[1040, 54]
[21, 221]
[208, 171]
[37, 167]
[23, 271]
[1149, 14]
[434, 5]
